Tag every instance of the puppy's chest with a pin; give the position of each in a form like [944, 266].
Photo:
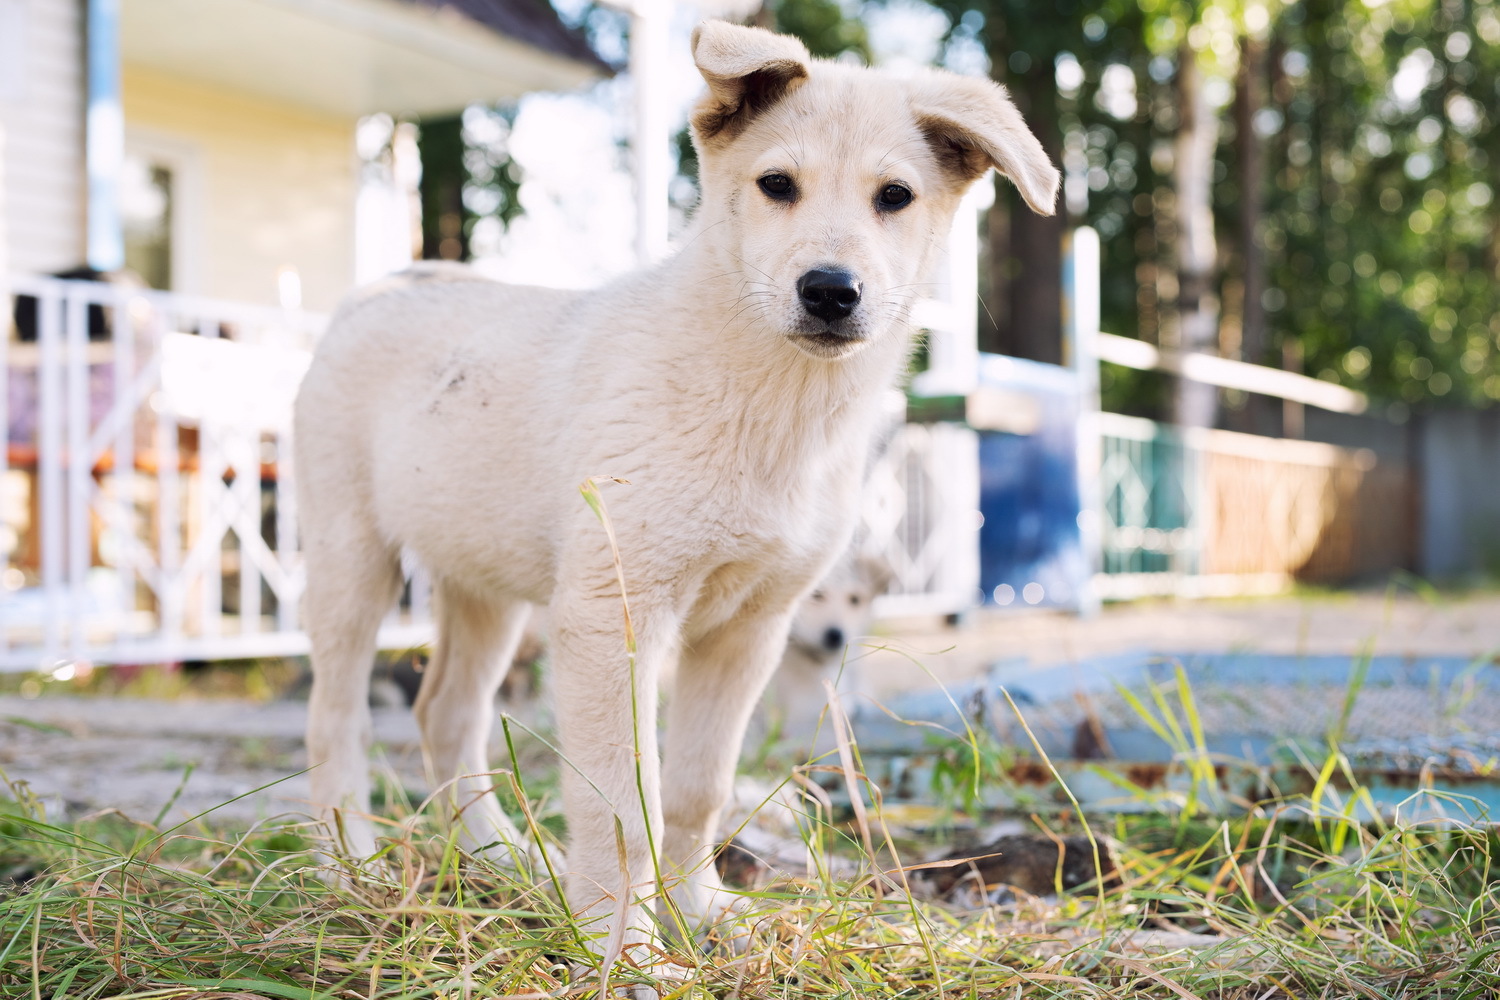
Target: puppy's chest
[731, 589]
[763, 563]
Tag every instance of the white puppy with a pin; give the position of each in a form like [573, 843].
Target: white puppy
[735, 387]
[820, 649]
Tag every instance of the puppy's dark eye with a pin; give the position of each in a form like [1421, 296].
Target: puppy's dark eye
[854, 600]
[894, 196]
[816, 595]
[778, 187]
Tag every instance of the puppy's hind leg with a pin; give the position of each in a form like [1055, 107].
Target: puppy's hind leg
[352, 579]
[477, 638]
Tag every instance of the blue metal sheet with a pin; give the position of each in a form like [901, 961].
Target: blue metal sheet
[1423, 763]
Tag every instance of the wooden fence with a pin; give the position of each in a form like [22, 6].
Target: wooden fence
[1218, 512]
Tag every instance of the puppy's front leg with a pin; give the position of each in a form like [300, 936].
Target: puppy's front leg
[718, 684]
[610, 772]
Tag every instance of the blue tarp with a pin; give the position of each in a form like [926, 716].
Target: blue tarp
[1030, 552]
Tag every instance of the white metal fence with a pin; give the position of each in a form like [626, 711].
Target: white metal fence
[146, 490]
[920, 515]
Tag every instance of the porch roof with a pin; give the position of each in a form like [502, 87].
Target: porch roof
[356, 57]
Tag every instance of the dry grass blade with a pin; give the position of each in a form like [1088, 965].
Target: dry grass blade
[846, 762]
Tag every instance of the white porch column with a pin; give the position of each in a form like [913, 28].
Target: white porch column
[5, 320]
[104, 143]
[5, 323]
[1081, 264]
[650, 21]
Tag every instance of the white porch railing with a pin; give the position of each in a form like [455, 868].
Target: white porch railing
[921, 515]
[147, 500]
[147, 484]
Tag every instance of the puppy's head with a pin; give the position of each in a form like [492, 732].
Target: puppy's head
[838, 610]
[835, 186]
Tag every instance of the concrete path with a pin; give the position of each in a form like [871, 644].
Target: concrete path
[80, 755]
[1339, 624]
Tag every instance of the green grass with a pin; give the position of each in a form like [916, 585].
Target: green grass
[1290, 899]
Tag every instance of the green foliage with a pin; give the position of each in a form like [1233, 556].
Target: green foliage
[1378, 212]
[823, 26]
[963, 769]
[1383, 223]
[468, 177]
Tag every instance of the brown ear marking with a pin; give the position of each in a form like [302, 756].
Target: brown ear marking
[747, 70]
[716, 118]
[962, 159]
[972, 125]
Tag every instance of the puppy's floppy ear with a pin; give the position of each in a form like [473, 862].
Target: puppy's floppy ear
[973, 125]
[877, 572]
[747, 69]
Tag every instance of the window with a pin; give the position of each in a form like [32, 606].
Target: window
[147, 207]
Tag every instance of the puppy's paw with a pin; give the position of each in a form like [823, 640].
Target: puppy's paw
[348, 856]
[521, 856]
[711, 914]
[629, 991]
[640, 970]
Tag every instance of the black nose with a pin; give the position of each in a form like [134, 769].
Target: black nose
[828, 295]
[833, 639]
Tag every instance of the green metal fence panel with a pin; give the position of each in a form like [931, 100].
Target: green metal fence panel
[1150, 483]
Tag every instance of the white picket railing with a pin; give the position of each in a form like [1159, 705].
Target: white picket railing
[149, 514]
[147, 486]
[921, 516]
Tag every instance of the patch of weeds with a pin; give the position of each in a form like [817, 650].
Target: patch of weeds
[965, 771]
[113, 907]
[1288, 895]
[259, 680]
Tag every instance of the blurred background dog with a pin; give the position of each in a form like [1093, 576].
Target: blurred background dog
[823, 646]
[834, 616]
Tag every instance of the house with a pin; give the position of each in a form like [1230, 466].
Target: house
[209, 145]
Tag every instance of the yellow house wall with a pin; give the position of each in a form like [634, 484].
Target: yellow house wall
[274, 187]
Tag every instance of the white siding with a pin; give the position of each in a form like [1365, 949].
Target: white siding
[41, 113]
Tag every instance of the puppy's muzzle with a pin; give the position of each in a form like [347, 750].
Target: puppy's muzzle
[828, 294]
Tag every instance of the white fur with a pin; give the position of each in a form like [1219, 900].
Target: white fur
[456, 418]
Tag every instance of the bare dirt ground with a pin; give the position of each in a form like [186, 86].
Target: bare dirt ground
[79, 755]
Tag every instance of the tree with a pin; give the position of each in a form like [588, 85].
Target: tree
[1351, 189]
[1381, 226]
[1023, 42]
[467, 175]
[822, 26]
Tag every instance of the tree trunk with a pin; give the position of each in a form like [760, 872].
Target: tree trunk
[1032, 325]
[445, 230]
[994, 288]
[1197, 302]
[1494, 249]
[1249, 99]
